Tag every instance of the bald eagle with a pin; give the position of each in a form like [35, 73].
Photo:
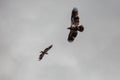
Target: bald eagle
[75, 25]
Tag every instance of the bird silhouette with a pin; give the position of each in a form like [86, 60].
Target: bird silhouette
[44, 52]
[75, 25]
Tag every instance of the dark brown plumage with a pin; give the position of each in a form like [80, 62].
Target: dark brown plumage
[72, 35]
[44, 52]
[75, 27]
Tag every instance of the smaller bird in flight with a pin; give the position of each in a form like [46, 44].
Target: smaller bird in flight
[44, 52]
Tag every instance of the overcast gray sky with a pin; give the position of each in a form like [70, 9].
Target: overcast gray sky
[29, 26]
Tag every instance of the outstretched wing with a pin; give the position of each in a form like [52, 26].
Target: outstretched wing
[73, 15]
[41, 56]
[72, 35]
[48, 48]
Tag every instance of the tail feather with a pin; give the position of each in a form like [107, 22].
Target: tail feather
[81, 28]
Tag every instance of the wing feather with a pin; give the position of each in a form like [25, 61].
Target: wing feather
[48, 48]
[41, 56]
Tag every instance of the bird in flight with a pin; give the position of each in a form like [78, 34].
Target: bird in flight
[75, 25]
[45, 52]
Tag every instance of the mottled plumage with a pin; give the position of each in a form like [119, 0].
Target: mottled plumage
[75, 27]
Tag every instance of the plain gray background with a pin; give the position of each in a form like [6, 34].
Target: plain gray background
[29, 26]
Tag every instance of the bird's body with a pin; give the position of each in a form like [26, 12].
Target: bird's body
[44, 52]
[75, 25]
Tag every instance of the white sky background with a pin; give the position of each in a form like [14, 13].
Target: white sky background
[29, 26]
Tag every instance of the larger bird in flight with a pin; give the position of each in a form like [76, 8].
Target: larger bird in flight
[45, 52]
[75, 25]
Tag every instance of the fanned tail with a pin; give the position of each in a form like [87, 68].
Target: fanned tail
[81, 28]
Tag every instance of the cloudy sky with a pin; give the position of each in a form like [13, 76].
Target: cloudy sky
[29, 26]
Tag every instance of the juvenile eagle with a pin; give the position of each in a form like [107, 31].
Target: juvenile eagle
[75, 25]
[45, 52]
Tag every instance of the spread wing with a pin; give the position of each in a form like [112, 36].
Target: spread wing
[73, 15]
[48, 48]
[72, 35]
[41, 56]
